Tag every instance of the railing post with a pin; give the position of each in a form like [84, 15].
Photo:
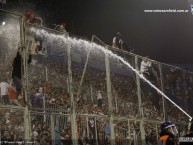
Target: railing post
[67, 83]
[129, 131]
[52, 129]
[116, 105]
[162, 89]
[109, 95]
[140, 104]
[73, 115]
[46, 70]
[87, 127]
[157, 133]
[24, 80]
[96, 132]
[84, 70]
[44, 106]
[91, 93]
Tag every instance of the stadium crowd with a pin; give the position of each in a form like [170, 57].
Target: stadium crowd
[48, 92]
[52, 94]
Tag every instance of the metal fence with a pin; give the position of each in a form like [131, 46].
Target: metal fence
[80, 91]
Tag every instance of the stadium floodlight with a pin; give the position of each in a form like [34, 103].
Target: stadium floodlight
[3, 23]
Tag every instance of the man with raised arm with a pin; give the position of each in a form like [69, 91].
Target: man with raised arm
[16, 73]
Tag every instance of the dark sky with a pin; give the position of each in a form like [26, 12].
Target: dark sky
[166, 37]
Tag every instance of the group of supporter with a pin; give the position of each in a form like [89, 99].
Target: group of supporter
[12, 125]
[54, 93]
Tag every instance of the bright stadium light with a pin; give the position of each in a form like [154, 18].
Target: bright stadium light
[3, 23]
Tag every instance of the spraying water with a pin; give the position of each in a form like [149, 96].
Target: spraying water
[9, 30]
[83, 45]
[9, 37]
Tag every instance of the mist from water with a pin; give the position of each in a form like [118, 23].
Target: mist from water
[10, 34]
[82, 46]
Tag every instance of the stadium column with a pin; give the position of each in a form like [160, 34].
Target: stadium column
[52, 129]
[83, 74]
[140, 104]
[91, 93]
[73, 115]
[84, 71]
[129, 131]
[162, 89]
[109, 96]
[96, 133]
[87, 126]
[25, 78]
[157, 132]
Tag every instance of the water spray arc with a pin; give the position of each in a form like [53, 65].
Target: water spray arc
[83, 44]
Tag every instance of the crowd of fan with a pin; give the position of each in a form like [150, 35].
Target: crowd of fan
[49, 89]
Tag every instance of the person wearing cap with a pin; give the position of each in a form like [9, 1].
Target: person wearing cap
[168, 134]
[117, 41]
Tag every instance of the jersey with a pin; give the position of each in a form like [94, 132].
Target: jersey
[166, 140]
[162, 140]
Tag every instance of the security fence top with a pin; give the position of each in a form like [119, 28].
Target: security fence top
[49, 113]
[12, 107]
[13, 13]
[49, 29]
[94, 115]
[119, 118]
[138, 56]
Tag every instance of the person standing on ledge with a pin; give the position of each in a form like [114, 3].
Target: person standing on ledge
[117, 41]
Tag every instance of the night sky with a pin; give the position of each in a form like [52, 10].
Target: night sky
[165, 37]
